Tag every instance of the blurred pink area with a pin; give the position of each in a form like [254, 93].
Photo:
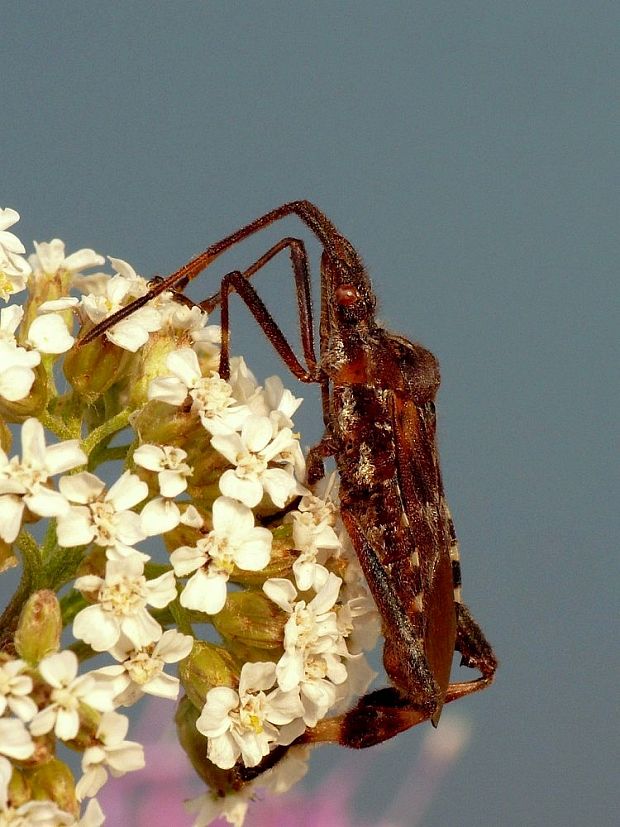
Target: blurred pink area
[154, 797]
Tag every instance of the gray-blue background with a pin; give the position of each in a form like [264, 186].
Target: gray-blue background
[469, 150]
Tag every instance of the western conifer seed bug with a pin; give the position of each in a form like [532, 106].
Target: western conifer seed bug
[377, 393]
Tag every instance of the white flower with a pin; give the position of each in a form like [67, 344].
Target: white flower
[312, 628]
[14, 270]
[129, 334]
[250, 453]
[169, 463]
[15, 689]
[211, 396]
[50, 258]
[141, 670]
[23, 483]
[316, 540]
[105, 518]
[113, 754]
[161, 514]
[246, 723]
[122, 597]
[68, 693]
[49, 334]
[233, 541]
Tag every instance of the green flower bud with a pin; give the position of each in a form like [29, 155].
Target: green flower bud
[39, 628]
[251, 618]
[207, 666]
[45, 287]
[95, 367]
[19, 788]
[53, 781]
[150, 362]
[163, 424]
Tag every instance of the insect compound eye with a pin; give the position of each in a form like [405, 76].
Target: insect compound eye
[347, 295]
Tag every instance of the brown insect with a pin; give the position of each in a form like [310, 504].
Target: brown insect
[377, 393]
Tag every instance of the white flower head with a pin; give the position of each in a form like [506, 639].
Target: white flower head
[50, 258]
[245, 723]
[312, 628]
[251, 452]
[25, 482]
[211, 396]
[315, 539]
[111, 755]
[102, 517]
[141, 670]
[68, 692]
[121, 608]
[233, 541]
[129, 334]
[169, 463]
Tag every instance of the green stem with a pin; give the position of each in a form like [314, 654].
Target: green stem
[109, 427]
[181, 617]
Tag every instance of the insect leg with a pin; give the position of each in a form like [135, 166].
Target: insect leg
[471, 643]
[236, 282]
[301, 272]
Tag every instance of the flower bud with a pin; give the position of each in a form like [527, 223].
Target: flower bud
[45, 287]
[19, 788]
[150, 363]
[251, 618]
[163, 424]
[95, 367]
[207, 666]
[39, 628]
[53, 781]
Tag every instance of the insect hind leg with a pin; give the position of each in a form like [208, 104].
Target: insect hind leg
[476, 651]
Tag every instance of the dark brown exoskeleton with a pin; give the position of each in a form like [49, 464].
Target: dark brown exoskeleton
[378, 393]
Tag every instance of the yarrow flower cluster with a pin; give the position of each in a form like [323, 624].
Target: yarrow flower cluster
[130, 438]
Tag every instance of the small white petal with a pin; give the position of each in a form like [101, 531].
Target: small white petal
[81, 488]
[49, 334]
[127, 491]
[159, 515]
[16, 383]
